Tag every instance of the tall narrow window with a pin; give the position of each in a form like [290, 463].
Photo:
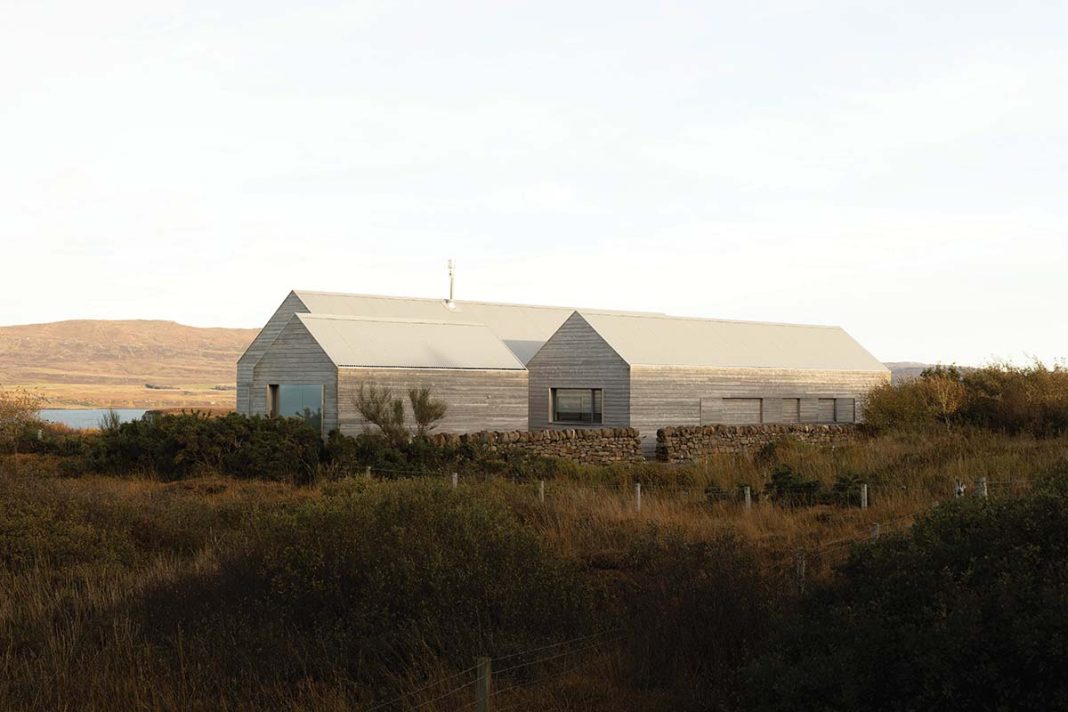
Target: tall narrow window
[577, 405]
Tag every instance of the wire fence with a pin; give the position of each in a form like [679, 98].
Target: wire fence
[520, 670]
[848, 495]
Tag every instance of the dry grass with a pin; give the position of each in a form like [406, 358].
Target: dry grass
[77, 556]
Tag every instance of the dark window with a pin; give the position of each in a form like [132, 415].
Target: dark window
[577, 405]
[292, 400]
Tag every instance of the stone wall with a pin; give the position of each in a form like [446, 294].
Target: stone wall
[600, 446]
[687, 443]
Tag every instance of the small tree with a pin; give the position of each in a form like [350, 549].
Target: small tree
[426, 409]
[378, 407]
[945, 397]
[18, 410]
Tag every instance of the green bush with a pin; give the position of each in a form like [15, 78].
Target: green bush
[967, 611]
[178, 446]
[789, 487]
[44, 438]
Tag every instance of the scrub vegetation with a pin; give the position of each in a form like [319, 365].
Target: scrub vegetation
[204, 587]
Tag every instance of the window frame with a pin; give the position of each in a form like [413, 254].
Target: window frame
[274, 401]
[596, 396]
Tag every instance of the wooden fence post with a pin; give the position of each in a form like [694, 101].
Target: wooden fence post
[367, 471]
[455, 480]
[864, 496]
[482, 690]
[875, 532]
[982, 488]
[541, 491]
[748, 498]
[638, 496]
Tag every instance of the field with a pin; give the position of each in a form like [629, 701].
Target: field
[380, 593]
[101, 364]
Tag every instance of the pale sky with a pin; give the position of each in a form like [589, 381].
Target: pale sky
[897, 168]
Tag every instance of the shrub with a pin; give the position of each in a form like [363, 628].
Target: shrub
[967, 611]
[1003, 397]
[177, 446]
[789, 487]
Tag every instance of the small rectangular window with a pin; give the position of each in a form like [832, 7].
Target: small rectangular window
[577, 405]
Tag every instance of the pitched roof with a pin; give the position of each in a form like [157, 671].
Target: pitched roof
[408, 343]
[654, 340]
[522, 328]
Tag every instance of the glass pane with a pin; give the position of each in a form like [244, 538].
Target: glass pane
[576, 405]
[301, 401]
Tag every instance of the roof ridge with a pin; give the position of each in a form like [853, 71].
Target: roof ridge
[672, 317]
[462, 302]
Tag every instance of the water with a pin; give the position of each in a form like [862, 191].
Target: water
[88, 417]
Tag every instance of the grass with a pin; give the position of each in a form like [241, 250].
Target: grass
[144, 595]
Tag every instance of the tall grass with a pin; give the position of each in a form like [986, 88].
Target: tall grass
[217, 593]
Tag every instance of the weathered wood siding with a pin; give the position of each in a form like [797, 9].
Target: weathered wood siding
[256, 349]
[295, 357]
[677, 395]
[477, 399]
[577, 357]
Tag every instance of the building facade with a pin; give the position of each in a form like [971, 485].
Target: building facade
[507, 367]
[648, 371]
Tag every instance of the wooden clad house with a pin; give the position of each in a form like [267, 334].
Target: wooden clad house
[523, 329]
[315, 365]
[503, 366]
[648, 371]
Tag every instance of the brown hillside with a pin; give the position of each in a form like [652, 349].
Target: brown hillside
[109, 363]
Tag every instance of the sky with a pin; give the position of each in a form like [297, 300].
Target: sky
[896, 168]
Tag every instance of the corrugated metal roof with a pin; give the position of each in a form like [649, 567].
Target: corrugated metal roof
[652, 340]
[408, 343]
[522, 328]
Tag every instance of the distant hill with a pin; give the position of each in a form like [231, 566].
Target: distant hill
[110, 363]
[904, 370]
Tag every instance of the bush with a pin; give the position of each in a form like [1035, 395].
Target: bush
[789, 487]
[1000, 397]
[967, 611]
[178, 446]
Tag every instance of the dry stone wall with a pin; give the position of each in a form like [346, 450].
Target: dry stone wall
[599, 446]
[688, 443]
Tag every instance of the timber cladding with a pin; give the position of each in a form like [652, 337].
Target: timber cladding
[687, 444]
[693, 396]
[577, 357]
[477, 399]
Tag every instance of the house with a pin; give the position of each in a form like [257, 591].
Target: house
[314, 368]
[296, 360]
[646, 371]
[505, 367]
